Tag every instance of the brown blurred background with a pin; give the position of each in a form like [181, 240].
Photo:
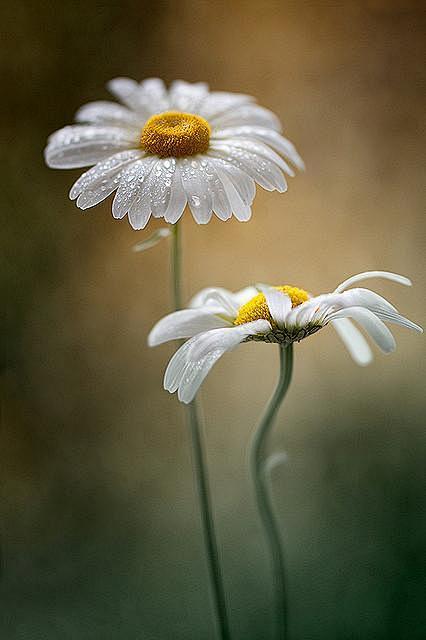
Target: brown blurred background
[100, 532]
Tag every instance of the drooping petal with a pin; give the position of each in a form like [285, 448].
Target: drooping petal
[372, 324]
[185, 324]
[279, 304]
[354, 341]
[192, 362]
[387, 275]
[83, 145]
[109, 113]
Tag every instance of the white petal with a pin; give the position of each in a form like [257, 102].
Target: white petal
[243, 183]
[210, 296]
[245, 295]
[360, 297]
[196, 189]
[132, 187]
[219, 103]
[129, 93]
[155, 95]
[98, 182]
[217, 197]
[184, 324]
[222, 299]
[265, 135]
[263, 171]
[161, 181]
[177, 200]
[258, 148]
[303, 314]
[187, 97]
[240, 210]
[397, 318]
[108, 113]
[82, 145]
[354, 341]
[250, 114]
[387, 275]
[192, 362]
[372, 324]
[279, 304]
[139, 212]
[121, 88]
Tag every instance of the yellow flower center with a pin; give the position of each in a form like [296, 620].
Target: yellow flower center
[257, 308]
[175, 134]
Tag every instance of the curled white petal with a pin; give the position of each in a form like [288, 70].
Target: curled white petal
[387, 275]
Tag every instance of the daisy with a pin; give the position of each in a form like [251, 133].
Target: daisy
[218, 320]
[161, 149]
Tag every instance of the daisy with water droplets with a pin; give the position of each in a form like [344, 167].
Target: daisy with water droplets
[219, 320]
[161, 149]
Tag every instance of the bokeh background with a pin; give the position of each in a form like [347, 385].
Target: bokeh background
[100, 531]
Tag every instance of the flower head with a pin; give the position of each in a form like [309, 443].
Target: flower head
[162, 149]
[218, 320]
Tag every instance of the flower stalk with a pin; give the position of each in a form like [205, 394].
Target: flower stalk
[200, 467]
[258, 464]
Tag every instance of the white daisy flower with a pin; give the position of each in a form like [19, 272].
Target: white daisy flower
[218, 320]
[162, 149]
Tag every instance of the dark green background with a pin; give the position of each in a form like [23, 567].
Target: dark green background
[100, 533]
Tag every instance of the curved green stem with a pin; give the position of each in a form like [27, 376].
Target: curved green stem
[200, 469]
[263, 497]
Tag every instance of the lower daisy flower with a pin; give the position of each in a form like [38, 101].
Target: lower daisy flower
[218, 320]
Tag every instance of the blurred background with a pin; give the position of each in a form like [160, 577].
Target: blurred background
[100, 530]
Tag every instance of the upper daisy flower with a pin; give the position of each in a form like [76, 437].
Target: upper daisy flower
[164, 148]
[219, 320]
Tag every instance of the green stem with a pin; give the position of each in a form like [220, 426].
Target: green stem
[200, 469]
[263, 497]
[176, 267]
